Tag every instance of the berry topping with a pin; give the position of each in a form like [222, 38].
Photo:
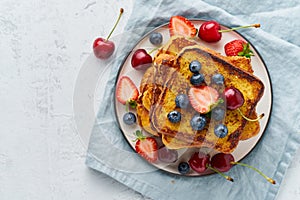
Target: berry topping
[103, 48]
[197, 79]
[182, 26]
[209, 31]
[220, 130]
[146, 146]
[217, 79]
[129, 118]
[156, 38]
[174, 116]
[218, 113]
[199, 161]
[238, 48]
[234, 98]
[141, 60]
[167, 155]
[222, 162]
[195, 66]
[203, 98]
[182, 101]
[126, 90]
[183, 168]
[198, 122]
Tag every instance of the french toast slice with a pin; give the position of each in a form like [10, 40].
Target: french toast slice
[173, 47]
[144, 101]
[154, 78]
[251, 87]
[151, 86]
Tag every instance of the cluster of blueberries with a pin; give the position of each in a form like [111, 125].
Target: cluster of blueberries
[199, 121]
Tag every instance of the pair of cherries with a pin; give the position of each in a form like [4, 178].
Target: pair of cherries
[219, 163]
[200, 161]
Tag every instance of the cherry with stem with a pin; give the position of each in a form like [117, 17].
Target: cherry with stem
[104, 48]
[223, 162]
[210, 31]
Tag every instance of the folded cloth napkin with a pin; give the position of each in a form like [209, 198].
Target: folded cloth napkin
[277, 44]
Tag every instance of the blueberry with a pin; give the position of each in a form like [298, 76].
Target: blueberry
[198, 122]
[174, 116]
[183, 168]
[220, 130]
[197, 79]
[218, 113]
[195, 66]
[217, 79]
[156, 38]
[182, 101]
[129, 118]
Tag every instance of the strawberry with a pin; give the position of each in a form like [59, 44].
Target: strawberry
[146, 146]
[182, 26]
[203, 98]
[238, 48]
[126, 90]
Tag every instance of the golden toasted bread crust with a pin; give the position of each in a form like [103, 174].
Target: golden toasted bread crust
[169, 76]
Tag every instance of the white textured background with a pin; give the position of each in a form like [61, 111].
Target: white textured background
[43, 44]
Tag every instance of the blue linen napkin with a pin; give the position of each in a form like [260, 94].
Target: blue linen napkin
[109, 153]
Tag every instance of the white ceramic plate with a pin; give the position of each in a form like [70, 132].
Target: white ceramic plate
[260, 70]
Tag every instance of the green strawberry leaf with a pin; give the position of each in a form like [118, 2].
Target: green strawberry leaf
[247, 52]
[130, 104]
[139, 135]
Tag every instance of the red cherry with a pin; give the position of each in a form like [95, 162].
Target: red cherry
[234, 98]
[209, 31]
[103, 48]
[141, 60]
[222, 162]
[199, 161]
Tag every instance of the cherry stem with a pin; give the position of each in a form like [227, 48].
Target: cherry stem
[152, 50]
[112, 30]
[217, 171]
[251, 120]
[240, 27]
[255, 169]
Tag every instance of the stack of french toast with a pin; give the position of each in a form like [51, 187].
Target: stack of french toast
[169, 76]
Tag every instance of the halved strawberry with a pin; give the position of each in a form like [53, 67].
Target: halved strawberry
[238, 48]
[181, 26]
[126, 90]
[203, 98]
[146, 147]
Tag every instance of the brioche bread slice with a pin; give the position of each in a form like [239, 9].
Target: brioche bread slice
[148, 84]
[251, 87]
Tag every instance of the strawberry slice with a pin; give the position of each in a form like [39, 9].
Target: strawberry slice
[182, 26]
[146, 147]
[203, 98]
[126, 90]
[238, 48]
